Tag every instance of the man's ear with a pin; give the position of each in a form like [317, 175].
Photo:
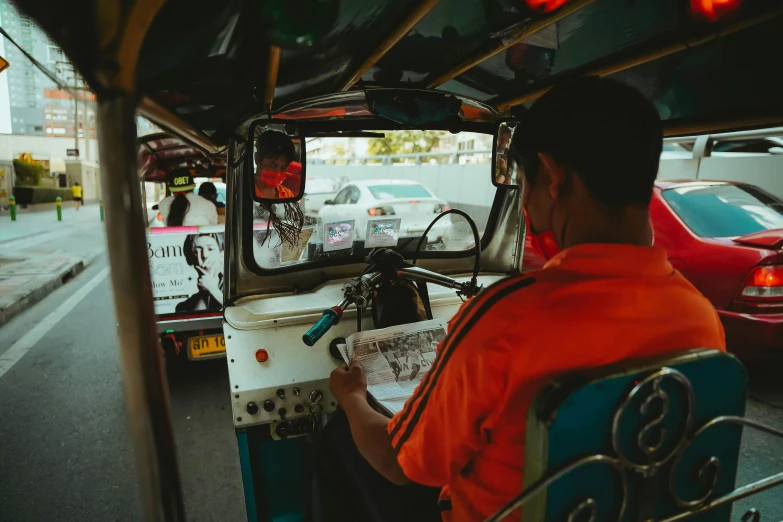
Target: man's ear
[557, 174]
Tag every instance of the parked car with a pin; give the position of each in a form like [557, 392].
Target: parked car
[409, 200]
[317, 192]
[727, 239]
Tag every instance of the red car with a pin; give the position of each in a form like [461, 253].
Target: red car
[727, 239]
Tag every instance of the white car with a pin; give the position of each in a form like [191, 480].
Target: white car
[409, 200]
[318, 191]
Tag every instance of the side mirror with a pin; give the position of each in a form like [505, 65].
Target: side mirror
[502, 175]
[277, 165]
[776, 150]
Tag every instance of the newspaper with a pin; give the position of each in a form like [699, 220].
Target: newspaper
[395, 359]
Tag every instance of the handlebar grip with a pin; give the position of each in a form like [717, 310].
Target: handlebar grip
[329, 319]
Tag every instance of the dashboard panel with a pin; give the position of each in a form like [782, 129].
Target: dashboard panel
[277, 379]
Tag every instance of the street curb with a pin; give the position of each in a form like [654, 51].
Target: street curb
[44, 290]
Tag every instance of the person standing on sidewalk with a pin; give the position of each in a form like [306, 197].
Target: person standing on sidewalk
[76, 191]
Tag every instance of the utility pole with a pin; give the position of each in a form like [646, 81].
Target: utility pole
[68, 68]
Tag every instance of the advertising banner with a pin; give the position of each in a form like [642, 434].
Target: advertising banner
[186, 267]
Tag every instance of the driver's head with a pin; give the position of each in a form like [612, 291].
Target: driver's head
[587, 153]
[274, 151]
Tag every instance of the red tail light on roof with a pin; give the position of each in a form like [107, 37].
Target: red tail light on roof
[764, 283]
[545, 6]
[712, 10]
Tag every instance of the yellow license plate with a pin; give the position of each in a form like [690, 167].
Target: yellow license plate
[206, 346]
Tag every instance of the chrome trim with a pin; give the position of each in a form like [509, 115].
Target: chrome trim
[544, 483]
[657, 393]
[188, 325]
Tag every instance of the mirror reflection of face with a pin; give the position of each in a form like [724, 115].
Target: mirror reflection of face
[207, 251]
[275, 163]
[503, 138]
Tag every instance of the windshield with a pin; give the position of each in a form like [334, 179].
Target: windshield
[722, 210]
[384, 191]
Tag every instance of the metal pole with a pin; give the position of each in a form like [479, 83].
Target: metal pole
[12, 207]
[75, 115]
[59, 205]
[142, 366]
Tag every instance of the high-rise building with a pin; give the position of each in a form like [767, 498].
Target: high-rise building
[35, 104]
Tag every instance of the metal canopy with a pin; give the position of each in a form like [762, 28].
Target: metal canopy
[210, 65]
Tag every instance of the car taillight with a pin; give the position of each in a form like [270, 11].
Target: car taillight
[441, 208]
[764, 283]
[381, 211]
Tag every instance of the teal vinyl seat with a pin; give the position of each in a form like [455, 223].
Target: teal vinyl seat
[642, 441]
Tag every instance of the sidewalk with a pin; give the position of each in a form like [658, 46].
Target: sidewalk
[39, 253]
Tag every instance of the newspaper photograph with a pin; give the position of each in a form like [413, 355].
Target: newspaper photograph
[395, 359]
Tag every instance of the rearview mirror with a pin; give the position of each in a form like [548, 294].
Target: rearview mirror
[277, 167]
[502, 175]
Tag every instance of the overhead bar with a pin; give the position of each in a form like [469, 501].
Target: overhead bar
[760, 124]
[395, 36]
[156, 113]
[272, 68]
[646, 56]
[527, 32]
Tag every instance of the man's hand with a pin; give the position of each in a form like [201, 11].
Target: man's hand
[368, 427]
[348, 382]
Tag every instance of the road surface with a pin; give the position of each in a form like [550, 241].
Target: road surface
[65, 452]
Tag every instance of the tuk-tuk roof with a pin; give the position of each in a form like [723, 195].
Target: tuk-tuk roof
[214, 64]
[161, 152]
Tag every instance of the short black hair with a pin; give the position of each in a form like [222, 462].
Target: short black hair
[272, 143]
[207, 188]
[605, 131]
[189, 246]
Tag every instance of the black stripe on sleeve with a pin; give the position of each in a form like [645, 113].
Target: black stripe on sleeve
[447, 353]
[475, 302]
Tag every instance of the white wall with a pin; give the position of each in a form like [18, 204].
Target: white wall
[765, 172]
[43, 147]
[671, 169]
[457, 184]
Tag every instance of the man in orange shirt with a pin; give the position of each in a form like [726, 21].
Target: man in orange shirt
[606, 296]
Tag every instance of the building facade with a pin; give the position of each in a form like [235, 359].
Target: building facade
[30, 102]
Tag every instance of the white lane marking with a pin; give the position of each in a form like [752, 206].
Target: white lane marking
[23, 345]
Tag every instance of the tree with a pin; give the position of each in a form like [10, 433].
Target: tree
[28, 173]
[340, 151]
[405, 142]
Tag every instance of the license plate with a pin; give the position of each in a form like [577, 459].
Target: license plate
[206, 346]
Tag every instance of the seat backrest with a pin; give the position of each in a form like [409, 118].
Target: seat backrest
[648, 440]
